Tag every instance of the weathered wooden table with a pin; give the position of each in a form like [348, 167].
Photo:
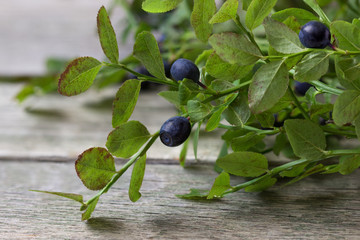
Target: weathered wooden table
[40, 140]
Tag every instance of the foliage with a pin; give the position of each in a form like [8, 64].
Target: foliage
[249, 60]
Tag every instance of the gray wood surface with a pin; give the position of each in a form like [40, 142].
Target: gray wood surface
[60, 128]
[40, 140]
[321, 207]
[32, 31]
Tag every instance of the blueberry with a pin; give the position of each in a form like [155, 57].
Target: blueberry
[175, 131]
[184, 68]
[278, 123]
[302, 87]
[315, 34]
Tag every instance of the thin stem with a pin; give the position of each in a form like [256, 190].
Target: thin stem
[325, 88]
[139, 154]
[298, 104]
[338, 132]
[248, 34]
[253, 129]
[271, 173]
[142, 76]
[226, 92]
[342, 152]
[290, 55]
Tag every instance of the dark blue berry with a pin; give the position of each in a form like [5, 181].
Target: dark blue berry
[184, 68]
[302, 87]
[315, 34]
[175, 131]
[278, 123]
[167, 67]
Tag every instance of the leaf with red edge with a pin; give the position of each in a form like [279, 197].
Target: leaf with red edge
[95, 167]
[78, 76]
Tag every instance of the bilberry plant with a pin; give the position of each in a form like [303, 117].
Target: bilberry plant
[248, 78]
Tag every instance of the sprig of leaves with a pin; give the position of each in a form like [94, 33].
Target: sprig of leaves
[249, 91]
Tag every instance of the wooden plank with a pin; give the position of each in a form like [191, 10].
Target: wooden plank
[32, 31]
[321, 207]
[60, 128]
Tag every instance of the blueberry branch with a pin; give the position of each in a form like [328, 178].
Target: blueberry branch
[253, 129]
[342, 152]
[226, 92]
[271, 173]
[291, 55]
[142, 76]
[325, 88]
[139, 154]
[338, 132]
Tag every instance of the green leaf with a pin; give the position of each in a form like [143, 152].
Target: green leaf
[137, 177]
[160, 6]
[246, 4]
[188, 89]
[221, 69]
[197, 110]
[172, 97]
[319, 109]
[244, 164]
[125, 101]
[215, 119]
[107, 36]
[235, 48]
[281, 37]
[25, 92]
[301, 15]
[91, 207]
[349, 164]
[202, 13]
[78, 76]
[257, 11]
[261, 185]
[280, 142]
[269, 84]
[347, 107]
[238, 112]
[221, 85]
[221, 184]
[306, 138]
[315, 6]
[227, 12]
[95, 167]
[347, 71]
[72, 196]
[266, 119]
[195, 194]
[202, 58]
[312, 67]
[245, 142]
[125, 140]
[356, 22]
[146, 50]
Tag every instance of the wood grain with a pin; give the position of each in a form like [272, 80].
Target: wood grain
[36, 30]
[322, 207]
[55, 127]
